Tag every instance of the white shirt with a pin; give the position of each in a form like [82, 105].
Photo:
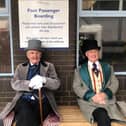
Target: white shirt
[96, 81]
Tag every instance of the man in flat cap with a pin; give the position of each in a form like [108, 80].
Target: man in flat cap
[96, 85]
[29, 77]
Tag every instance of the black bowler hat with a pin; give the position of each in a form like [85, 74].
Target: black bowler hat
[34, 44]
[89, 44]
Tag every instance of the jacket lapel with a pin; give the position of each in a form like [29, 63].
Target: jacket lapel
[106, 72]
[43, 69]
[86, 77]
[25, 71]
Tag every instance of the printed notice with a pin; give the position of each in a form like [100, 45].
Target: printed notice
[46, 20]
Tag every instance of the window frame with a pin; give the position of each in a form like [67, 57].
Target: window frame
[6, 9]
[82, 13]
[96, 13]
[6, 12]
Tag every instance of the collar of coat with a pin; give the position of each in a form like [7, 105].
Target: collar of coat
[41, 62]
[86, 77]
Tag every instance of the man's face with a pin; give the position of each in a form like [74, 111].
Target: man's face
[33, 56]
[92, 55]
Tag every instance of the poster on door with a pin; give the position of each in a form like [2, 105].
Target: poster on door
[45, 20]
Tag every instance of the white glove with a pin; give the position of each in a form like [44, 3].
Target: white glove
[38, 85]
[37, 82]
[32, 83]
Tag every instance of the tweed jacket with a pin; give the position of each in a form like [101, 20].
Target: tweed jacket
[83, 89]
[21, 85]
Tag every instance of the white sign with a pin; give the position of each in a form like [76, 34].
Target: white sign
[46, 20]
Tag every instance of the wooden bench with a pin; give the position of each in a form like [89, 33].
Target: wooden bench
[72, 116]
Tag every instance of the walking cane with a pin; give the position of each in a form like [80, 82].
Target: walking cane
[40, 105]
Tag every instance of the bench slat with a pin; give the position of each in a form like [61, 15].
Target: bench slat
[72, 116]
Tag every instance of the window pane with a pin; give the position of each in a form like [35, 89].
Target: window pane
[100, 5]
[124, 5]
[2, 3]
[113, 37]
[5, 63]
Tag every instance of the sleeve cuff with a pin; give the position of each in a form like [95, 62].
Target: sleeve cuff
[108, 92]
[88, 95]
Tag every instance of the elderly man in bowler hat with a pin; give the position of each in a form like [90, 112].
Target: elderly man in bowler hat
[95, 86]
[28, 78]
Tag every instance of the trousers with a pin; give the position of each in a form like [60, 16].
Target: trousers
[101, 117]
[27, 113]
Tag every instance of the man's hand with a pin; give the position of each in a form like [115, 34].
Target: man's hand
[99, 98]
[38, 85]
[37, 82]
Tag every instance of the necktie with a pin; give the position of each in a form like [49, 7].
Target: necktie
[95, 70]
[33, 70]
